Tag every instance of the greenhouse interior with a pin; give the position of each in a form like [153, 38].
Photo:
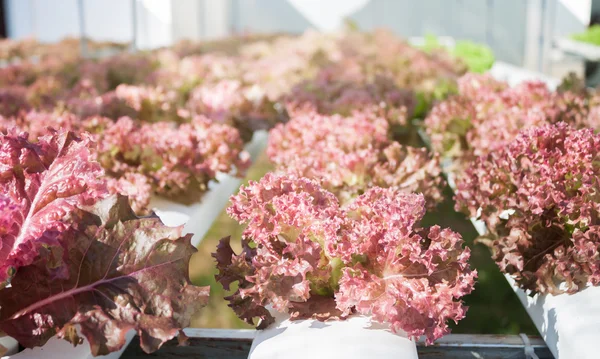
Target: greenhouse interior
[299, 179]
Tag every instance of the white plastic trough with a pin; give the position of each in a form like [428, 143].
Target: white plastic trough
[577, 48]
[61, 349]
[514, 75]
[10, 344]
[199, 217]
[354, 338]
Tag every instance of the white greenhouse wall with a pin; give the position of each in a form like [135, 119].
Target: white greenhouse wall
[186, 9]
[154, 23]
[52, 20]
[520, 31]
[108, 19]
[47, 20]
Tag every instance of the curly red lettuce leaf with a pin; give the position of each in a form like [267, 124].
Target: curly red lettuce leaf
[235, 268]
[124, 272]
[43, 182]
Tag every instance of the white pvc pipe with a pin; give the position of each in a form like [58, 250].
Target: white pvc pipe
[354, 338]
[60, 349]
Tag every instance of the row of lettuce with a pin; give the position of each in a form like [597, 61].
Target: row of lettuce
[335, 230]
[87, 142]
[148, 112]
[332, 232]
[525, 160]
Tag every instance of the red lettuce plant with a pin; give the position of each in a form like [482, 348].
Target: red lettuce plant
[382, 50]
[177, 161]
[46, 91]
[431, 76]
[86, 100]
[235, 103]
[487, 114]
[349, 155]
[80, 261]
[336, 89]
[13, 100]
[337, 72]
[20, 74]
[305, 255]
[127, 68]
[108, 105]
[218, 101]
[152, 104]
[276, 66]
[136, 187]
[539, 199]
[184, 73]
